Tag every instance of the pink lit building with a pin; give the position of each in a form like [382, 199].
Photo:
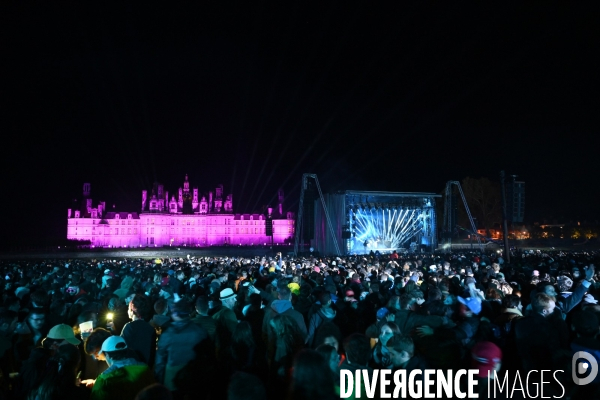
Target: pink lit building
[186, 218]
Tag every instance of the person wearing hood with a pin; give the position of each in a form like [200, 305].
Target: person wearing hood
[325, 314]
[126, 285]
[282, 306]
[175, 344]
[105, 278]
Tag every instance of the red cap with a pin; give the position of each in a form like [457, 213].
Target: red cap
[485, 357]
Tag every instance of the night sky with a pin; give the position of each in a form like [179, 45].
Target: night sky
[369, 96]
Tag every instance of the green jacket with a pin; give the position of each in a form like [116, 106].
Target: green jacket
[123, 380]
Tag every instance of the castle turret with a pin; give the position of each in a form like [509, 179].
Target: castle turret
[195, 199]
[280, 197]
[186, 185]
[144, 196]
[229, 203]
[203, 206]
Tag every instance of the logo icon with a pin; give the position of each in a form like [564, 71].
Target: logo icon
[581, 367]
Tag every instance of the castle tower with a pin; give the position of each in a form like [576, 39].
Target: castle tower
[87, 189]
[195, 199]
[229, 203]
[186, 185]
[280, 197]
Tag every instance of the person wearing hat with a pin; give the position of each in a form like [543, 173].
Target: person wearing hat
[63, 332]
[176, 344]
[124, 377]
[107, 275]
[486, 357]
[225, 318]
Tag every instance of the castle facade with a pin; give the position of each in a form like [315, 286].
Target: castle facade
[188, 219]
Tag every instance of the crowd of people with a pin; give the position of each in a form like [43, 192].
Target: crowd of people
[286, 327]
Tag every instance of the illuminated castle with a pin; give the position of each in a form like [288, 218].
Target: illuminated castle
[190, 219]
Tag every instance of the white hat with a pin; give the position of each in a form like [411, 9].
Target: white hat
[227, 294]
[113, 343]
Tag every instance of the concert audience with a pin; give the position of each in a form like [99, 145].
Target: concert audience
[257, 321]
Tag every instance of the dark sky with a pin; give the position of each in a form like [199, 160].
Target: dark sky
[369, 96]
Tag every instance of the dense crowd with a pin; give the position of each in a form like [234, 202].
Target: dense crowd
[285, 328]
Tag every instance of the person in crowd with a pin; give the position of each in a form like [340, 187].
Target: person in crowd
[59, 380]
[285, 342]
[225, 318]
[333, 359]
[139, 335]
[92, 346]
[542, 337]
[442, 309]
[176, 342]
[325, 313]
[124, 377]
[177, 285]
[311, 377]
[381, 356]
[203, 319]
[566, 304]
[126, 285]
[357, 354]
[402, 354]
[30, 333]
[487, 359]
[283, 306]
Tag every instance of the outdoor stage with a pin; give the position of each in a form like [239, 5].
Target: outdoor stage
[376, 221]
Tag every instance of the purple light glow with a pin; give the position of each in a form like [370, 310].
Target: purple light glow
[190, 221]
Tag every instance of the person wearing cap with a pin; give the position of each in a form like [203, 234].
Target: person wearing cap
[63, 332]
[107, 275]
[486, 357]
[124, 377]
[176, 344]
[225, 318]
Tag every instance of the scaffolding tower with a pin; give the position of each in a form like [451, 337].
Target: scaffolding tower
[449, 221]
[298, 233]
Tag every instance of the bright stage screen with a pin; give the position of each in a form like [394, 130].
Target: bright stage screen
[385, 230]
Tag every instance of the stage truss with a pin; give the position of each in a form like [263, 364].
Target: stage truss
[377, 221]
